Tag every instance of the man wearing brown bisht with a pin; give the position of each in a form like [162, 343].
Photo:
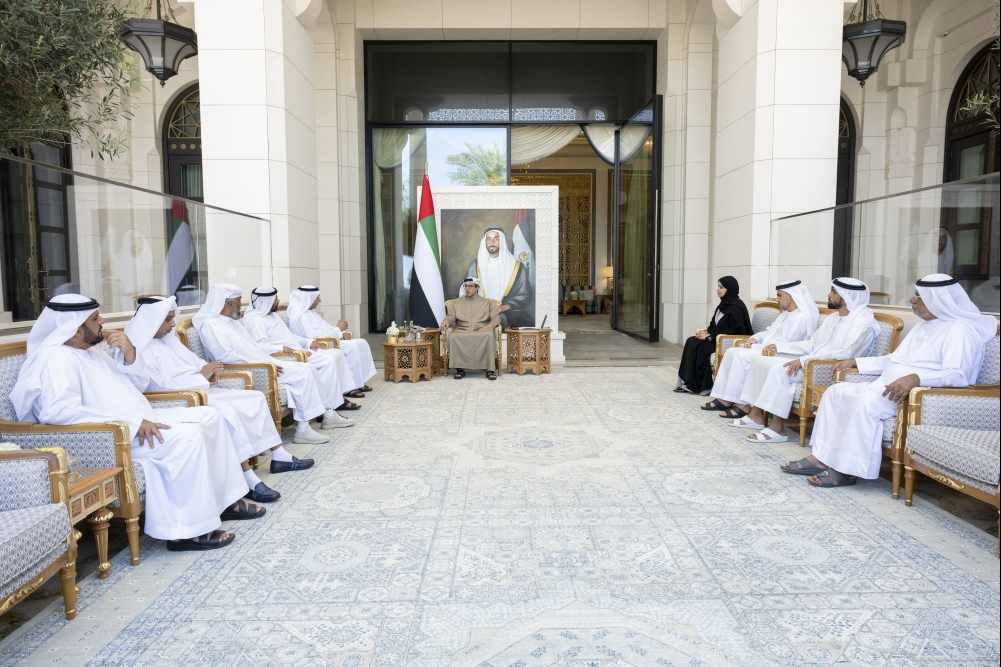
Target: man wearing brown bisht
[472, 341]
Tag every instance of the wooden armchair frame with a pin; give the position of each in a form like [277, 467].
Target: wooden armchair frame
[813, 391]
[130, 506]
[911, 466]
[733, 339]
[270, 388]
[65, 565]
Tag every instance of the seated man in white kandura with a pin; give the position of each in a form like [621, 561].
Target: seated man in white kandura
[944, 349]
[170, 366]
[330, 365]
[305, 320]
[772, 381]
[227, 340]
[190, 466]
[472, 341]
[797, 321]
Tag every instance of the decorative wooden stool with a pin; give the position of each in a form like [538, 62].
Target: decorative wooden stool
[90, 496]
[528, 350]
[407, 359]
[433, 336]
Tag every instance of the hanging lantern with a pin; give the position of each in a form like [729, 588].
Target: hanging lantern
[867, 38]
[162, 44]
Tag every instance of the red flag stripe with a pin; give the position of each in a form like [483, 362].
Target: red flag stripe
[427, 205]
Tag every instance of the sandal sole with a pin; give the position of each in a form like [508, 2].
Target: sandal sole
[194, 546]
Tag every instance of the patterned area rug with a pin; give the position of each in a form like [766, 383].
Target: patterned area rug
[588, 517]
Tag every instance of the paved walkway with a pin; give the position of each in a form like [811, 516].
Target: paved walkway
[586, 517]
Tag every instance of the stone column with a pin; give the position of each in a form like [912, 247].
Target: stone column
[777, 92]
[259, 142]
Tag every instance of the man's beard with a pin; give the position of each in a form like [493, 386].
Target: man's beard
[833, 306]
[91, 338]
[233, 316]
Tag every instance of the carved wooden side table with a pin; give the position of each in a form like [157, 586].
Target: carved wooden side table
[433, 336]
[528, 350]
[407, 359]
[90, 494]
[567, 306]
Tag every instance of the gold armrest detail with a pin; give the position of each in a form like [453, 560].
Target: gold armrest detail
[193, 397]
[839, 376]
[327, 343]
[294, 355]
[719, 345]
[248, 379]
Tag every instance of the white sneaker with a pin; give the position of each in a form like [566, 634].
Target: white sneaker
[333, 420]
[309, 437]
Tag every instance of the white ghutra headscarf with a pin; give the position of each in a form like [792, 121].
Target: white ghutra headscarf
[495, 272]
[462, 286]
[300, 301]
[150, 314]
[948, 301]
[804, 302]
[57, 323]
[215, 301]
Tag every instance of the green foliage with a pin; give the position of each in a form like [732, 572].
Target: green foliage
[63, 72]
[478, 165]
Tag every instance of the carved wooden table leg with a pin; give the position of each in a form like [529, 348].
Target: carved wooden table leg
[99, 521]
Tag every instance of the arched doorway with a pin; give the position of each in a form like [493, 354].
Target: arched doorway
[182, 176]
[841, 264]
[182, 146]
[969, 235]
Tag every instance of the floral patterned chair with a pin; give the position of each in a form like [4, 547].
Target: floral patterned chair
[762, 316]
[895, 428]
[93, 445]
[953, 438]
[37, 539]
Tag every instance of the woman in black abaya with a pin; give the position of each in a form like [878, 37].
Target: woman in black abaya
[695, 373]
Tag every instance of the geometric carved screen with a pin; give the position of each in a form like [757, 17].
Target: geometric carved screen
[576, 220]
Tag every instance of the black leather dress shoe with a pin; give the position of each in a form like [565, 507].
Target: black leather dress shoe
[288, 466]
[262, 493]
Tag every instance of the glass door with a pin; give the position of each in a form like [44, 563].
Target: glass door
[636, 224]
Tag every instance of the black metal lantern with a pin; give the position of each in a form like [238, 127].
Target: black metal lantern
[867, 38]
[162, 44]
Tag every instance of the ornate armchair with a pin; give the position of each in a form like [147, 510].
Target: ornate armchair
[895, 428]
[263, 376]
[498, 334]
[953, 437]
[94, 445]
[37, 539]
[818, 374]
[762, 316]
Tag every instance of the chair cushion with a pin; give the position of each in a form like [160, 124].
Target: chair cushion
[27, 538]
[889, 426]
[990, 368]
[969, 452]
[10, 366]
[24, 483]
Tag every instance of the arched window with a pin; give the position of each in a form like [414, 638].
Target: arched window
[969, 221]
[182, 146]
[841, 264]
[182, 176]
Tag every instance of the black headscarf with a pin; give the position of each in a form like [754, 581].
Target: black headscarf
[731, 305]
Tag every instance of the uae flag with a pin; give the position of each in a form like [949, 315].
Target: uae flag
[181, 253]
[427, 297]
